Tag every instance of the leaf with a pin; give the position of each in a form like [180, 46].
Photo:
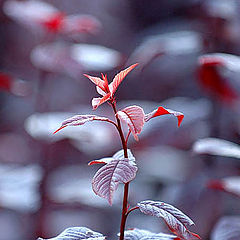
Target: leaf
[29, 12]
[97, 81]
[108, 177]
[57, 58]
[214, 75]
[229, 184]
[173, 217]
[162, 111]
[96, 102]
[80, 120]
[119, 77]
[177, 43]
[133, 116]
[119, 155]
[140, 234]
[216, 146]
[227, 228]
[96, 57]
[80, 23]
[77, 233]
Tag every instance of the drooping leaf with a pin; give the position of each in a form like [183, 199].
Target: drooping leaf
[119, 77]
[173, 217]
[140, 234]
[108, 177]
[229, 184]
[162, 111]
[227, 228]
[119, 155]
[77, 233]
[133, 116]
[80, 120]
[216, 146]
[216, 75]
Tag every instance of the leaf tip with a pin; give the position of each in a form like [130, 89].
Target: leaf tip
[180, 119]
[59, 129]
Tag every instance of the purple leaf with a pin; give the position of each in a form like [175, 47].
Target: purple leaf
[216, 146]
[227, 228]
[119, 155]
[80, 120]
[139, 234]
[173, 217]
[77, 233]
[108, 177]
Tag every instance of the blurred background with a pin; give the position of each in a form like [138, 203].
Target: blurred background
[188, 61]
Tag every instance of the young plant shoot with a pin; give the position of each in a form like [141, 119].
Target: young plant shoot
[121, 168]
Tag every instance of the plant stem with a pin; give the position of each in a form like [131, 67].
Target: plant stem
[126, 186]
[132, 209]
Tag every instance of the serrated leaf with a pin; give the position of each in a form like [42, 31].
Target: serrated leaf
[173, 217]
[108, 177]
[216, 146]
[80, 120]
[77, 233]
[227, 228]
[119, 78]
[163, 111]
[119, 155]
[133, 116]
[107, 91]
[140, 234]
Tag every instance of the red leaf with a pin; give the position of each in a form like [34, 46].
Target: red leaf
[107, 91]
[53, 22]
[5, 82]
[97, 81]
[134, 117]
[173, 217]
[162, 111]
[229, 184]
[80, 120]
[119, 77]
[108, 177]
[211, 78]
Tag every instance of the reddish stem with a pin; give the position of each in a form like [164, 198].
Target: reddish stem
[126, 186]
[130, 210]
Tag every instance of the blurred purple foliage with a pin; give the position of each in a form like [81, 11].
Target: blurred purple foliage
[46, 46]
